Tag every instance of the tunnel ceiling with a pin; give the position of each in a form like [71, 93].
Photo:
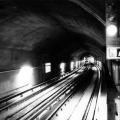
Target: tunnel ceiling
[62, 28]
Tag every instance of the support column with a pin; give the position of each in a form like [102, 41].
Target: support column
[116, 73]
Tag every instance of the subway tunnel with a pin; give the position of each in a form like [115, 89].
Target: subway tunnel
[53, 61]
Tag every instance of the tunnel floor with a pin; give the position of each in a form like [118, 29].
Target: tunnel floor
[112, 95]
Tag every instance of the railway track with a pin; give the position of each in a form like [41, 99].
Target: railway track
[13, 108]
[84, 104]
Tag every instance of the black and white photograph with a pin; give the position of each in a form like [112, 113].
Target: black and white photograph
[59, 59]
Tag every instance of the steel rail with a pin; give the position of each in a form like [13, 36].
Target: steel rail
[30, 96]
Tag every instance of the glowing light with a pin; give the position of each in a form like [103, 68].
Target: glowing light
[77, 64]
[111, 30]
[62, 67]
[71, 65]
[47, 67]
[25, 75]
[91, 59]
[26, 69]
[94, 68]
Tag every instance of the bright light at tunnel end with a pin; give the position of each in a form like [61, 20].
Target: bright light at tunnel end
[111, 30]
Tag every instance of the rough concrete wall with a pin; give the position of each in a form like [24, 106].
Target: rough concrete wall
[10, 64]
[12, 59]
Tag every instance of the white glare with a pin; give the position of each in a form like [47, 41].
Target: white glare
[71, 65]
[94, 68]
[25, 75]
[111, 30]
[26, 70]
[62, 67]
[91, 59]
[77, 64]
[47, 67]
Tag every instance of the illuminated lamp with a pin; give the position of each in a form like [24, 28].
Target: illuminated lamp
[25, 75]
[47, 67]
[111, 30]
[62, 67]
[26, 69]
[71, 65]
